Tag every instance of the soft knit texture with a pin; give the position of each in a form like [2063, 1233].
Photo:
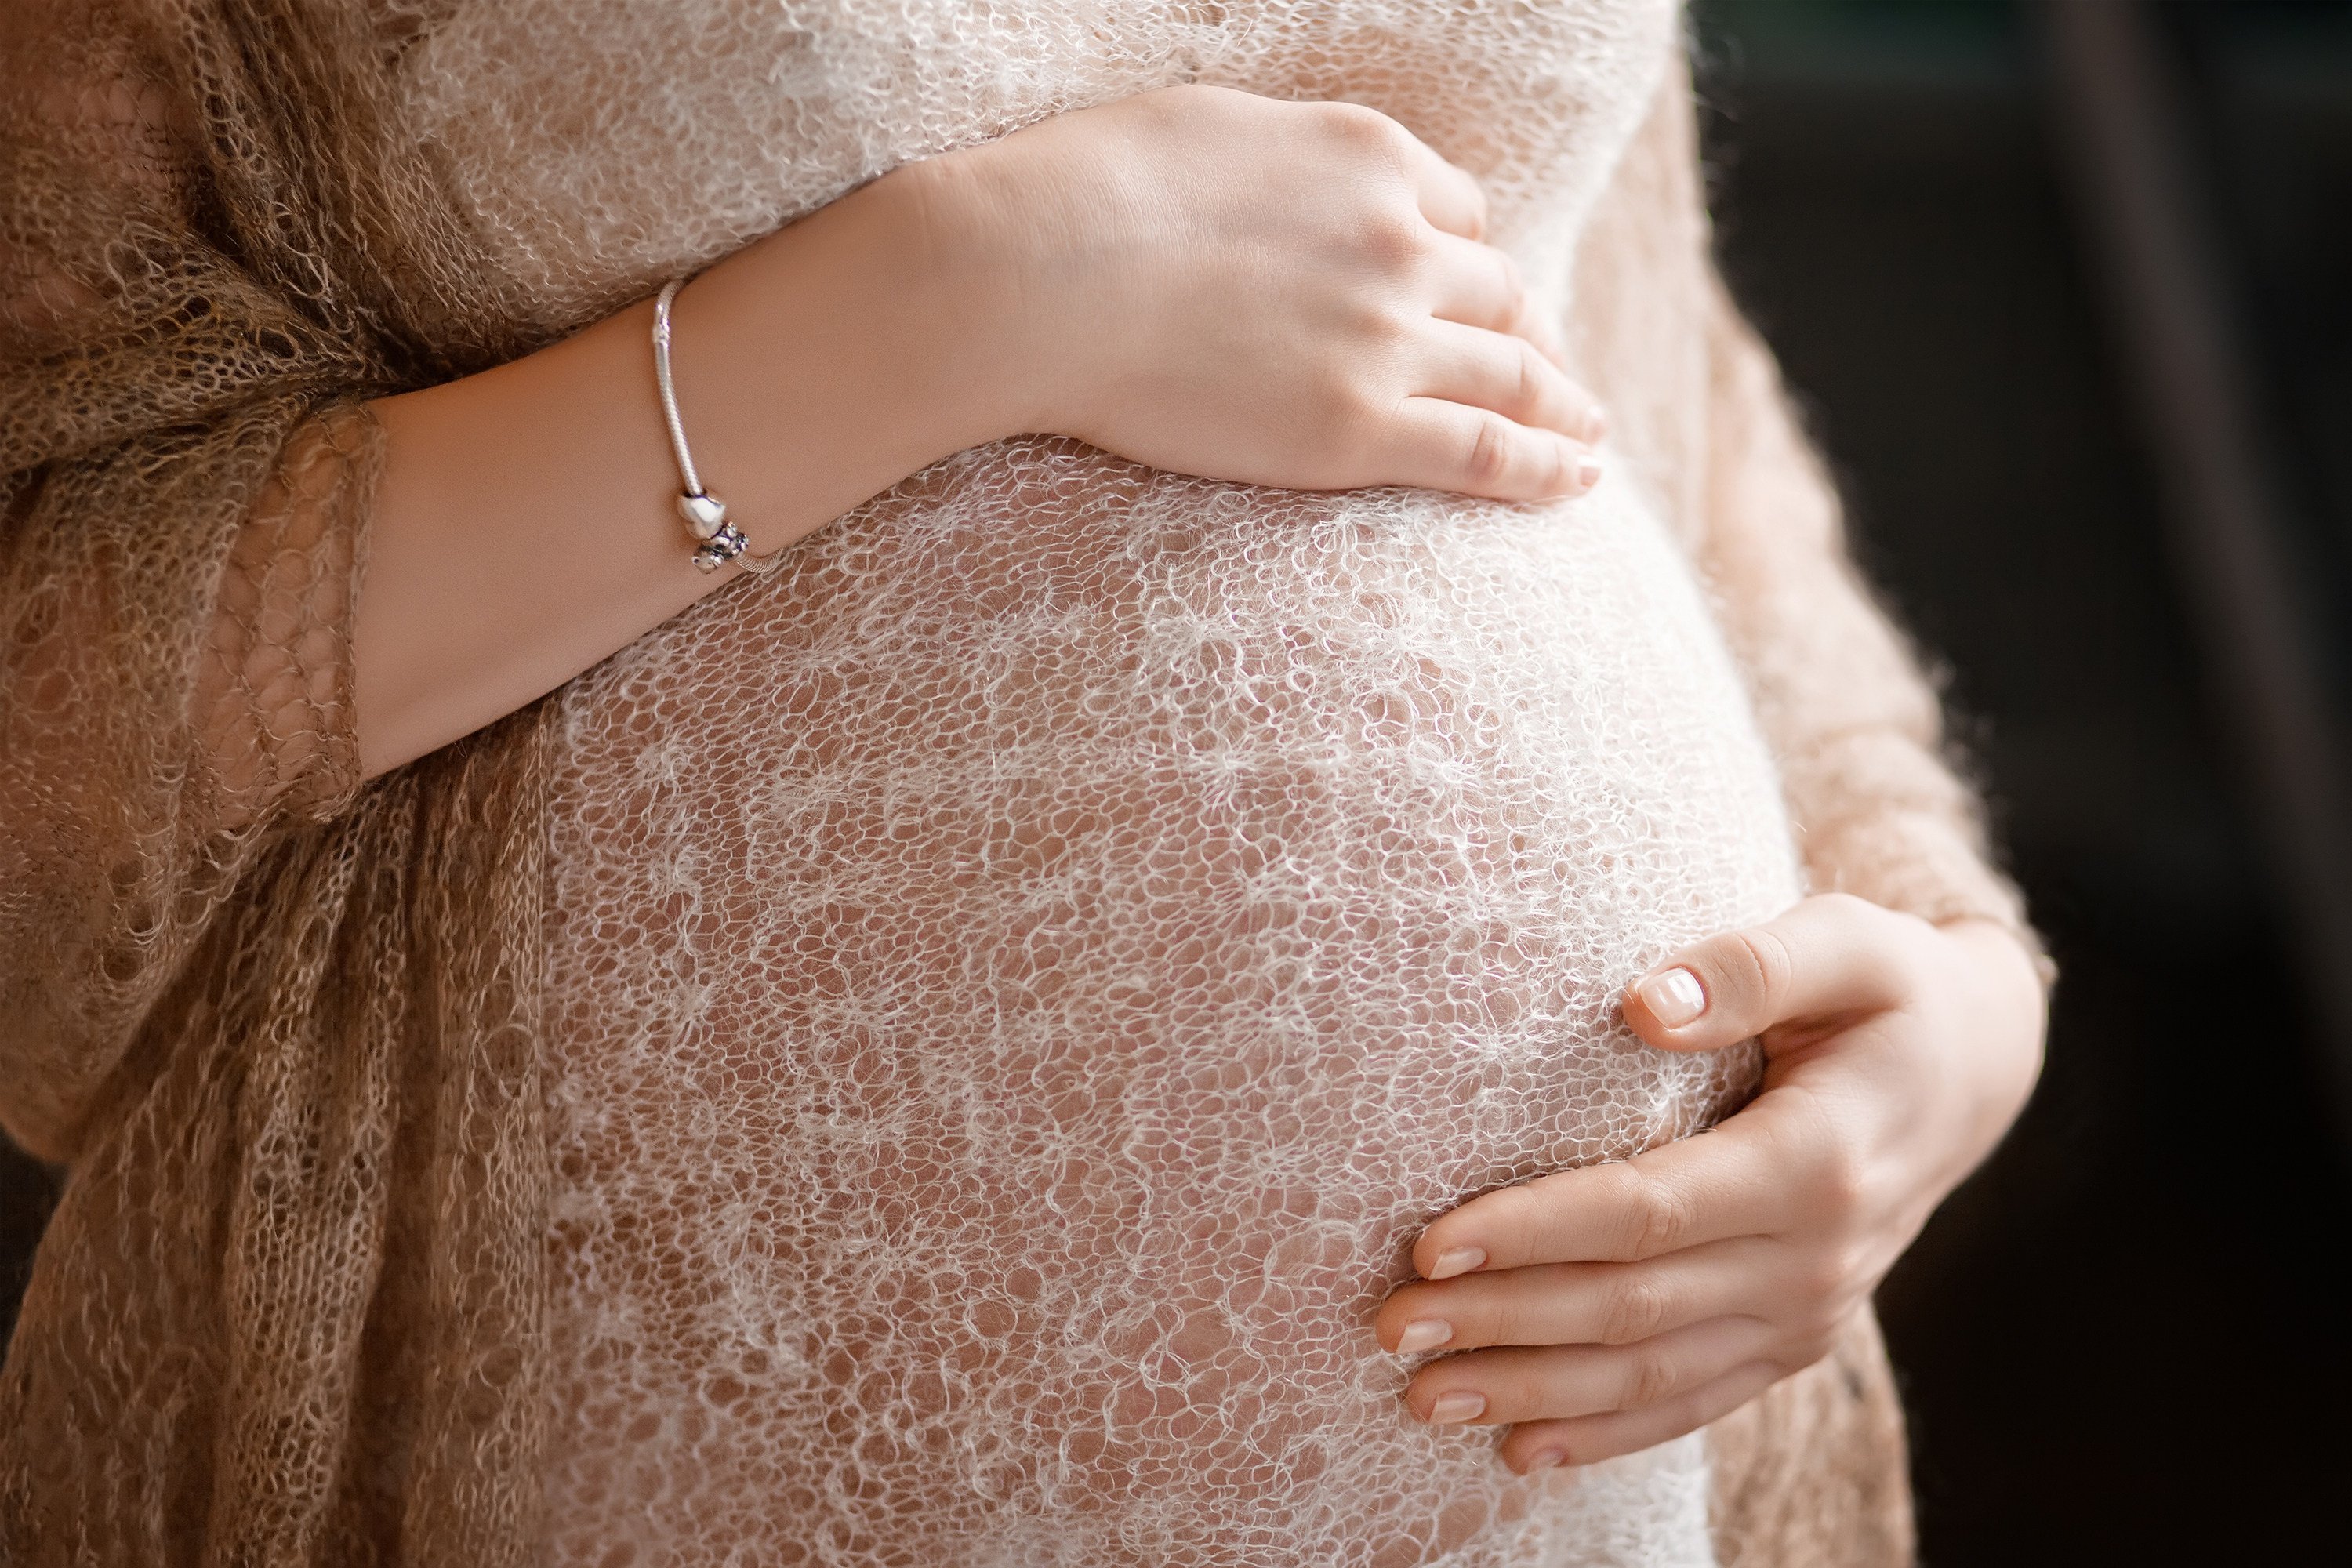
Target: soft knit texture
[928, 1057]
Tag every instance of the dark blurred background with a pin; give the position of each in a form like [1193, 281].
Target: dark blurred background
[2123, 1341]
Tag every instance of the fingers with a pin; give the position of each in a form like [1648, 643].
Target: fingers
[1496, 370]
[1476, 285]
[1744, 1178]
[1563, 1382]
[1451, 199]
[1479, 286]
[1442, 445]
[1539, 1445]
[1831, 957]
[1591, 1303]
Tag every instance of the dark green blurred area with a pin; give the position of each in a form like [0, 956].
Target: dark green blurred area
[2124, 1341]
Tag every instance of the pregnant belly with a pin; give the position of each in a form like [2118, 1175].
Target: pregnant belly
[1024, 973]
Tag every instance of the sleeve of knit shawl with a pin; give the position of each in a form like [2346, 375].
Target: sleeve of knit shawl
[1700, 412]
[180, 489]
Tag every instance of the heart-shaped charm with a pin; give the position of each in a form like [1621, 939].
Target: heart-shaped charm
[705, 514]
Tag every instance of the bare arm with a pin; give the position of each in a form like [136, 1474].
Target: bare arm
[523, 530]
[190, 660]
[1330, 322]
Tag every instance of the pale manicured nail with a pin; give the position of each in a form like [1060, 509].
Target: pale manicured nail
[1460, 1404]
[1545, 1460]
[1460, 1260]
[1423, 1334]
[1674, 997]
[1596, 425]
[1588, 474]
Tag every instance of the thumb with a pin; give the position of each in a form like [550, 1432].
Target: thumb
[1831, 956]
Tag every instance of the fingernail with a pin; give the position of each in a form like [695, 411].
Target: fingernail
[1460, 1404]
[1461, 1260]
[1423, 1334]
[1596, 424]
[1544, 1461]
[1673, 997]
[1588, 474]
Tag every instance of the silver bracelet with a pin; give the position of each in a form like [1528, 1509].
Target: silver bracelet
[716, 540]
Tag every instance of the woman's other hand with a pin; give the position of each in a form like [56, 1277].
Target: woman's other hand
[1291, 294]
[1605, 1309]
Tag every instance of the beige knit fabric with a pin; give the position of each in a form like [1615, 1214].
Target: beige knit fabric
[294, 1039]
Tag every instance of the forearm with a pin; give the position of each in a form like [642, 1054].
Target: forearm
[522, 529]
[1330, 322]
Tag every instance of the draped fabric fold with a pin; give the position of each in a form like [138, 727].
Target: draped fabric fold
[278, 1028]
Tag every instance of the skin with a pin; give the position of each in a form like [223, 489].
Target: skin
[1601, 1311]
[1331, 321]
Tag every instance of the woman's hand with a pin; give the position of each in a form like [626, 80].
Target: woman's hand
[1606, 1310]
[1291, 294]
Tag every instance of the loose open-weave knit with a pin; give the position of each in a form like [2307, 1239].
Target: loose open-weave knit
[931, 1056]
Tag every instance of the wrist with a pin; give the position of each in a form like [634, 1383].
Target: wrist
[824, 363]
[965, 226]
[2023, 937]
[2004, 946]
[2006, 986]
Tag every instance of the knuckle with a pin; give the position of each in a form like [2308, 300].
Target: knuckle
[1661, 1217]
[1489, 459]
[1840, 1188]
[1527, 392]
[1393, 241]
[1358, 125]
[1766, 965]
[1650, 1376]
[1636, 1309]
[1500, 1322]
[1568, 1439]
[1481, 214]
[1515, 286]
[1559, 460]
[1370, 143]
[1386, 328]
[1545, 1217]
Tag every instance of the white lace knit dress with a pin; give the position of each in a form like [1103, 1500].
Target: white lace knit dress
[1024, 973]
